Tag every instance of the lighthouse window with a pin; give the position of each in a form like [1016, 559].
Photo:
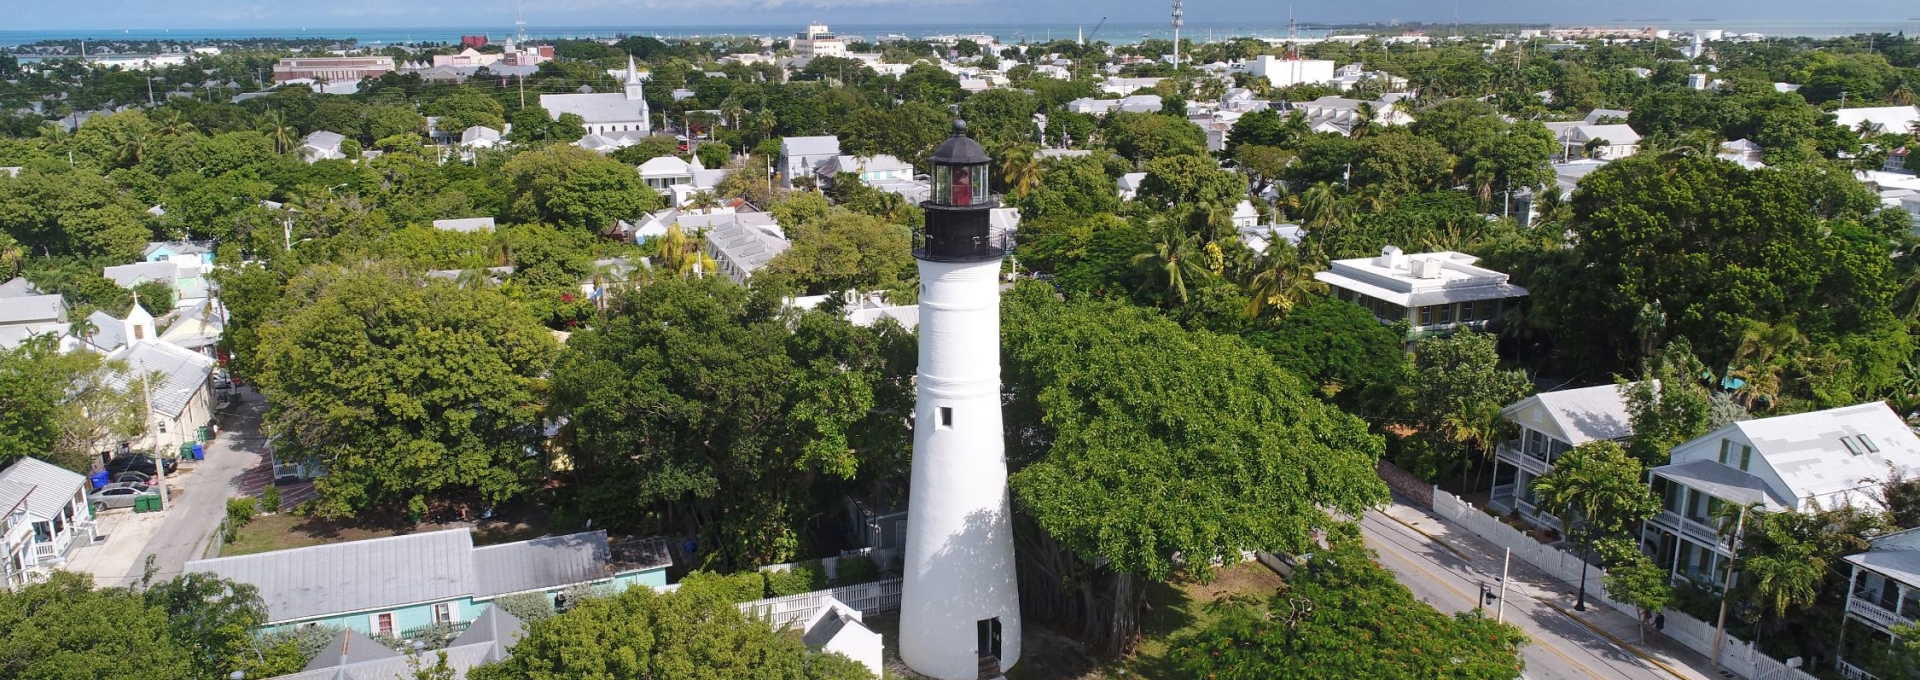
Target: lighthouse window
[963, 186]
[946, 416]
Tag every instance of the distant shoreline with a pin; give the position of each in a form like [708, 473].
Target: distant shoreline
[1114, 33]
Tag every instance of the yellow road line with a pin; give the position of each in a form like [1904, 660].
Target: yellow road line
[1617, 641]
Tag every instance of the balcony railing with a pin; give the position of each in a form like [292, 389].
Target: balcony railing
[1511, 453]
[1852, 672]
[1872, 612]
[1692, 530]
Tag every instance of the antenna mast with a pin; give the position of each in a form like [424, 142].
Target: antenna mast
[520, 22]
[1179, 19]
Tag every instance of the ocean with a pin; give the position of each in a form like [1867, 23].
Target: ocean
[1118, 33]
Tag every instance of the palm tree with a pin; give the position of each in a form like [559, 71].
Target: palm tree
[1596, 491]
[731, 110]
[1020, 169]
[83, 327]
[1761, 358]
[1321, 207]
[1553, 207]
[274, 124]
[703, 200]
[11, 255]
[1174, 257]
[1788, 574]
[1282, 281]
[1362, 120]
[767, 121]
[1296, 125]
[681, 256]
[1476, 426]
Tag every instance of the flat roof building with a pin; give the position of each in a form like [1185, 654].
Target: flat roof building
[334, 69]
[1436, 293]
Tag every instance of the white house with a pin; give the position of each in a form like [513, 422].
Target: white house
[1283, 72]
[188, 280]
[178, 382]
[1879, 119]
[43, 518]
[1437, 293]
[1245, 216]
[321, 146]
[1121, 87]
[1129, 185]
[838, 628]
[1885, 593]
[24, 313]
[603, 113]
[465, 225]
[800, 156]
[679, 180]
[1615, 140]
[1340, 114]
[1548, 425]
[1832, 458]
[742, 247]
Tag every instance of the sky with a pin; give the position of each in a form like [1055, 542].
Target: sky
[155, 14]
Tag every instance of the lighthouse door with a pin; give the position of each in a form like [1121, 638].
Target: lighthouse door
[989, 630]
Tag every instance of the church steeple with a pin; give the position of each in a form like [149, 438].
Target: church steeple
[633, 82]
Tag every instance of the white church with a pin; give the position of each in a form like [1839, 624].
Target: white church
[613, 120]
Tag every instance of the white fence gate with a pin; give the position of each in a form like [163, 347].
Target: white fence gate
[796, 610]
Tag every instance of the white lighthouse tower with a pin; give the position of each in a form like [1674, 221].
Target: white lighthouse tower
[959, 607]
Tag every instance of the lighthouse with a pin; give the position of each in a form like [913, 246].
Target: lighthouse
[959, 605]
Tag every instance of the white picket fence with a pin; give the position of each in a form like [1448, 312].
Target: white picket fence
[796, 610]
[1735, 654]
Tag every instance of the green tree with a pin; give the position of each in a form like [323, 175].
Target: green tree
[213, 618]
[1344, 616]
[405, 391]
[1454, 378]
[909, 132]
[1668, 406]
[571, 187]
[1142, 137]
[1191, 181]
[63, 628]
[697, 406]
[1632, 578]
[837, 250]
[65, 407]
[1135, 441]
[640, 633]
[466, 107]
[1597, 491]
[1340, 349]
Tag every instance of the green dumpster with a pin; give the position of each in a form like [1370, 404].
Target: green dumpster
[139, 503]
[186, 450]
[153, 503]
[203, 434]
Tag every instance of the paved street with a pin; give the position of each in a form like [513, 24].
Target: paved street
[202, 503]
[1448, 572]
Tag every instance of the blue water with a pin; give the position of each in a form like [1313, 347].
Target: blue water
[1008, 33]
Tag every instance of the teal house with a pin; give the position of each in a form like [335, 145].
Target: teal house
[399, 584]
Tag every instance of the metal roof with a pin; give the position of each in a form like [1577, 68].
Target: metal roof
[1722, 482]
[44, 486]
[466, 225]
[184, 373]
[31, 308]
[380, 573]
[1582, 415]
[825, 145]
[17, 287]
[1810, 451]
[350, 646]
[598, 108]
[541, 563]
[1899, 565]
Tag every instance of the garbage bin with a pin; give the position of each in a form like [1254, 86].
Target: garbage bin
[154, 504]
[199, 452]
[99, 479]
[140, 503]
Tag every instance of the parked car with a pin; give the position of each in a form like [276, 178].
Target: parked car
[222, 381]
[138, 463]
[118, 495]
[140, 478]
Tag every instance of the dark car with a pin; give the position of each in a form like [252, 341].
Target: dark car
[138, 463]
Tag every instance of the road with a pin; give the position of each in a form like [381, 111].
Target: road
[1562, 649]
[202, 503]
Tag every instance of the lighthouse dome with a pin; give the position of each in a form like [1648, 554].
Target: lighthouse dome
[960, 149]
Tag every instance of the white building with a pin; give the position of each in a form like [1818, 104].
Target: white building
[604, 113]
[740, 246]
[839, 629]
[1437, 293]
[25, 312]
[180, 386]
[1340, 114]
[189, 281]
[1879, 119]
[1121, 87]
[801, 156]
[679, 180]
[1283, 72]
[1885, 593]
[321, 145]
[872, 170]
[817, 41]
[1612, 141]
[1549, 424]
[1129, 185]
[1832, 458]
[43, 519]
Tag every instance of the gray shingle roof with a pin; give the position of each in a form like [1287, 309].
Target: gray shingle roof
[380, 573]
[540, 563]
[45, 486]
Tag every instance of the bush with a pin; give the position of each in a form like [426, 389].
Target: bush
[745, 586]
[528, 607]
[270, 499]
[240, 511]
[574, 594]
[803, 577]
[855, 570]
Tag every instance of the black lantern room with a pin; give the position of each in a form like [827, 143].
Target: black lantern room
[959, 222]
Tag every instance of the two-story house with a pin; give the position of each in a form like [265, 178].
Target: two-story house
[1832, 458]
[800, 156]
[871, 170]
[1547, 425]
[1885, 593]
[45, 519]
[1436, 293]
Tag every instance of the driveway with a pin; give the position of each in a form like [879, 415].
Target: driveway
[200, 502]
[123, 534]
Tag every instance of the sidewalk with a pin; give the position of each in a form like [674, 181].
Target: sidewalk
[1525, 580]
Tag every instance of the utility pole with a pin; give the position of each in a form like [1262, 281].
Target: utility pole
[1179, 19]
[1500, 615]
[1733, 552]
[149, 91]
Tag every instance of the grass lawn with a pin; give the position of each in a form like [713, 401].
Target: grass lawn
[287, 530]
[1176, 607]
